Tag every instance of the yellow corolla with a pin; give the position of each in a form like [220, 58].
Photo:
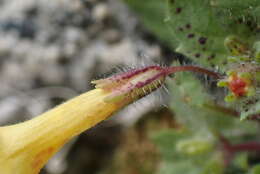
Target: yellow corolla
[27, 146]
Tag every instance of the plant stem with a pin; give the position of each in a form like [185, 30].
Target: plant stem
[248, 146]
[175, 69]
[230, 150]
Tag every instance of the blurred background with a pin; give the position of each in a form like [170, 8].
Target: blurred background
[49, 53]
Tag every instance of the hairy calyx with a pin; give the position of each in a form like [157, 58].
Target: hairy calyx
[137, 83]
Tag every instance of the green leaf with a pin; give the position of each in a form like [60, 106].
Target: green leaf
[182, 167]
[166, 141]
[201, 27]
[194, 146]
[194, 107]
[249, 109]
[255, 169]
[213, 166]
[241, 161]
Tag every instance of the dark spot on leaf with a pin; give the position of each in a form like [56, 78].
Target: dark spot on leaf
[202, 40]
[204, 49]
[188, 26]
[224, 62]
[171, 1]
[211, 57]
[178, 10]
[197, 55]
[240, 20]
[191, 35]
[249, 23]
[180, 29]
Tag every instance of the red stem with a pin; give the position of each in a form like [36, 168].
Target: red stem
[234, 148]
[249, 146]
[174, 69]
[230, 150]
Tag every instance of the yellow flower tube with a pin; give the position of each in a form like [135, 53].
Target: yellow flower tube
[27, 146]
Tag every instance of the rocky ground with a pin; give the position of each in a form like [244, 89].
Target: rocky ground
[51, 50]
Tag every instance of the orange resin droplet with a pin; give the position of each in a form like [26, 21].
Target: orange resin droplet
[238, 85]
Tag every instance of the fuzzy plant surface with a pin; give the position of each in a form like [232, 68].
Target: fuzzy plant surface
[220, 121]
